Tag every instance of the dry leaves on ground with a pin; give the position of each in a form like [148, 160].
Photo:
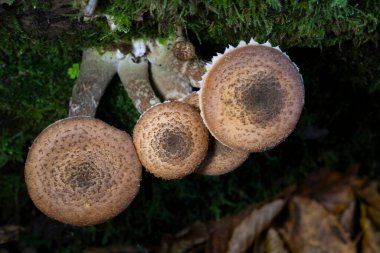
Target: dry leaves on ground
[330, 212]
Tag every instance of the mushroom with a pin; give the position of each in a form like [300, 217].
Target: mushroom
[251, 96]
[220, 159]
[191, 99]
[173, 77]
[171, 140]
[184, 50]
[82, 171]
[134, 74]
[96, 71]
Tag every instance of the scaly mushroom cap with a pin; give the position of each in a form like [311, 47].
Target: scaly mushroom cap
[184, 50]
[171, 140]
[220, 159]
[191, 99]
[251, 97]
[82, 171]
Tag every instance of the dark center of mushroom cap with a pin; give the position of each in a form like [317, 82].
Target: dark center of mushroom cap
[261, 96]
[172, 145]
[82, 175]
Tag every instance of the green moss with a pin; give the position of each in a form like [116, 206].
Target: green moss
[290, 23]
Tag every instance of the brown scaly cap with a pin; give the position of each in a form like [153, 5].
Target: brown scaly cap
[220, 159]
[171, 140]
[184, 50]
[82, 171]
[191, 99]
[251, 97]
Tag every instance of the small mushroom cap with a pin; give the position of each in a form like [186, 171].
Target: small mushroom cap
[251, 97]
[220, 159]
[82, 171]
[184, 50]
[171, 140]
[191, 99]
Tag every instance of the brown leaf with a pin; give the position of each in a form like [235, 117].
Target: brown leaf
[185, 240]
[258, 245]
[331, 189]
[368, 191]
[221, 232]
[371, 237]
[274, 242]
[347, 218]
[374, 214]
[253, 225]
[9, 233]
[310, 228]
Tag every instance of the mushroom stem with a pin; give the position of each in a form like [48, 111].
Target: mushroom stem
[134, 74]
[96, 71]
[90, 7]
[179, 34]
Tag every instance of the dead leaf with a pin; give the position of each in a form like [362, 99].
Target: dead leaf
[220, 233]
[9, 233]
[371, 237]
[374, 214]
[258, 245]
[310, 228]
[347, 219]
[274, 242]
[332, 189]
[184, 240]
[368, 191]
[253, 225]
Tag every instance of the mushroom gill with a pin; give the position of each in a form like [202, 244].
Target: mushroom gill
[82, 171]
[251, 97]
[171, 140]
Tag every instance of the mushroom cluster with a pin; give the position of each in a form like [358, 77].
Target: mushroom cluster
[250, 99]
[82, 171]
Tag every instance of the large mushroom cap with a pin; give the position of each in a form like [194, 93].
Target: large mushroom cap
[82, 171]
[251, 97]
[171, 140]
